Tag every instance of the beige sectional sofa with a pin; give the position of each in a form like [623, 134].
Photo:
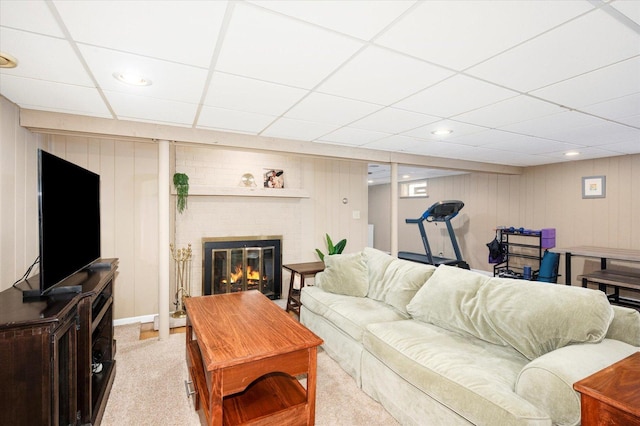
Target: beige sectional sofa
[446, 346]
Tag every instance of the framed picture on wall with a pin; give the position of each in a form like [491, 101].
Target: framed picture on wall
[594, 187]
[273, 178]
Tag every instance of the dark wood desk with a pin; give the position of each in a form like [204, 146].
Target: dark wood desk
[301, 269]
[603, 253]
[611, 396]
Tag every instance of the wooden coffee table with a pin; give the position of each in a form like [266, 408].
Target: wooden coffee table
[612, 395]
[243, 352]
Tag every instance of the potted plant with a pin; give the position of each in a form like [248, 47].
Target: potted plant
[331, 248]
[181, 182]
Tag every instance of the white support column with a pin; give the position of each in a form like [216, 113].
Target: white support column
[394, 209]
[163, 239]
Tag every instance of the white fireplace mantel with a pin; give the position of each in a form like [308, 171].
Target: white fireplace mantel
[245, 192]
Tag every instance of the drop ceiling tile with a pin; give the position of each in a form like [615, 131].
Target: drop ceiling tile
[614, 81]
[580, 46]
[43, 58]
[132, 107]
[170, 81]
[268, 46]
[600, 133]
[628, 147]
[587, 153]
[57, 97]
[356, 18]
[391, 143]
[509, 111]
[629, 8]
[381, 76]
[229, 120]
[459, 129]
[526, 145]
[180, 31]
[393, 120]
[33, 16]
[452, 97]
[550, 125]
[494, 156]
[247, 94]
[321, 108]
[459, 34]
[622, 109]
[298, 129]
[352, 136]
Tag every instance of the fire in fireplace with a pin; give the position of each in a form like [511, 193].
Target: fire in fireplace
[242, 263]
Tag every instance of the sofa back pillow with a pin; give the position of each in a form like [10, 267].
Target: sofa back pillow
[625, 325]
[535, 318]
[449, 299]
[377, 263]
[344, 274]
[402, 280]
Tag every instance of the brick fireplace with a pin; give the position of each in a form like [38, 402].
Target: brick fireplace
[232, 264]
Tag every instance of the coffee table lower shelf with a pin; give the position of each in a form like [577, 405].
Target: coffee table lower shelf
[275, 398]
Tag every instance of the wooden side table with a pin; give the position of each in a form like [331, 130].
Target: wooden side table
[301, 269]
[612, 395]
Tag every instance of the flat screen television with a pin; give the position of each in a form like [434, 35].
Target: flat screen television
[69, 219]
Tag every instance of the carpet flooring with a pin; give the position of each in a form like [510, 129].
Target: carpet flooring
[149, 387]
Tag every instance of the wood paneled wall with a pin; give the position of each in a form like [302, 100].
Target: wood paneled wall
[542, 197]
[18, 195]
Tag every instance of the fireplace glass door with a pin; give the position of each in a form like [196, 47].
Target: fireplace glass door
[242, 263]
[242, 269]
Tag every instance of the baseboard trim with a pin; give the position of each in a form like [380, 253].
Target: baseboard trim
[133, 320]
[150, 318]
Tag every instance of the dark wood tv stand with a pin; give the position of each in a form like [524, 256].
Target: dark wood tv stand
[47, 346]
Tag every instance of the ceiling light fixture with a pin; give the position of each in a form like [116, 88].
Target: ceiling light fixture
[442, 132]
[405, 176]
[571, 153]
[132, 79]
[7, 61]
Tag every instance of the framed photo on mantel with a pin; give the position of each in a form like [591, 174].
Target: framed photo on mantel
[594, 187]
[273, 178]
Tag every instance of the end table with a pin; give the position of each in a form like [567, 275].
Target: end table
[301, 269]
[611, 395]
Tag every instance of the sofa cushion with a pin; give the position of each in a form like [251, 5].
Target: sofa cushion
[377, 263]
[449, 299]
[547, 381]
[536, 318]
[532, 317]
[472, 377]
[349, 314]
[344, 274]
[402, 280]
[625, 325]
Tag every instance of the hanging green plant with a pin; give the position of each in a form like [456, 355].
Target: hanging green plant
[181, 182]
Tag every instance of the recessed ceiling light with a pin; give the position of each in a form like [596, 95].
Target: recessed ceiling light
[442, 132]
[370, 181]
[7, 61]
[571, 153]
[406, 176]
[132, 79]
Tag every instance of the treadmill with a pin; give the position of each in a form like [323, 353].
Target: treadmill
[442, 211]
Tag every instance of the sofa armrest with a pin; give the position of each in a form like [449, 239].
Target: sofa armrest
[547, 381]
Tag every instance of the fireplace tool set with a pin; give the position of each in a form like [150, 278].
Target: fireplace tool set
[182, 259]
